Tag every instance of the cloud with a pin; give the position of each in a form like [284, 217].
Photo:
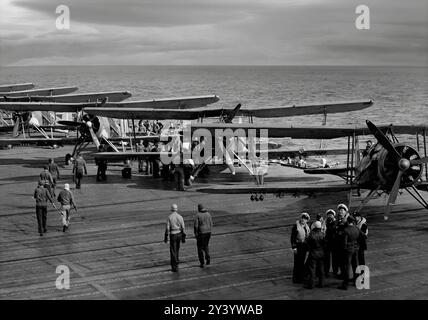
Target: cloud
[214, 32]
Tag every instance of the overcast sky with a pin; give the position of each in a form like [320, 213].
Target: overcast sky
[210, 32]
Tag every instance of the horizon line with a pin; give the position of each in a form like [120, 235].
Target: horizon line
[216, 65]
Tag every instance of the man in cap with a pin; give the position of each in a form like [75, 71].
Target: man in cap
[46, 178]
[339, 234]
[42, 195]
[330, 258]
[66, 199]
[54, 171]
[202, 228]
[316, 247]
[349, 246]
[176, 231]
[299, 234]
[361, 224]
[79, 169]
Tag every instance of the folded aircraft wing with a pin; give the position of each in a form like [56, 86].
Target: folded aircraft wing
[299, 110]
[40, 92]
[150, 114]
[16, 87]
[114, 96]
[274, 131]
[170, 103]
[241, 189]
[44, 106]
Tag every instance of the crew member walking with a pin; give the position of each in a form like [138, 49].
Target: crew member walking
[202, 227]
[66, 199]
[42, 195]
[46, 179]
[54, 171]
[79, 169]
[299, 234]
[176, 231]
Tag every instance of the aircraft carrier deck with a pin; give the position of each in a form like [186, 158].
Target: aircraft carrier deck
[114, 247]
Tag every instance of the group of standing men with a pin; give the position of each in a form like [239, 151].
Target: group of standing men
[338, 241]
[175, 230]
[45, 192]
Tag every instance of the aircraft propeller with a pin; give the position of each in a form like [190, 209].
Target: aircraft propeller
[401, 162]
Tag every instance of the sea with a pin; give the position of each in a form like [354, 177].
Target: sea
[400, 94]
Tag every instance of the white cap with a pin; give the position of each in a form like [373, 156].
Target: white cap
[317, 224]
[305, 215]
[342, 206]
[174, 207]
[67, 186]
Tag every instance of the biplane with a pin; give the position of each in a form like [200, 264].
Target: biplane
[388, 166]
[93, 121]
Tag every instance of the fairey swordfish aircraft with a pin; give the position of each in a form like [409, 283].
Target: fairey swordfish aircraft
[387, 167]
[93, 118]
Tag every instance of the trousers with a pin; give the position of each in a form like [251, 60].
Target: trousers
[174, 249]
[41, 214]
[202, 242]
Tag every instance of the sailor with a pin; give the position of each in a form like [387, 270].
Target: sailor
[330, 252]
[361, 224]
[319, 217]
[299, 234]
[66, 199]
[349, 246]
[79, 169]
[46, 178]
[42, 195]
[176, 230]
[315, 263]
[179, 176]
[54, 171]
[202, 227]
[339, 234]
[101, 170]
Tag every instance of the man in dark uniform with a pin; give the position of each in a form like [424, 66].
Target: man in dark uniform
[79, 169]
[330, 258]
[202, 228]
[361, 224]
[179, 176]
[42, 196]
[101, 170]
[349, 246]
[341, 224]
[316, 247]
[299, 235]
[54, 171]
[46, 179]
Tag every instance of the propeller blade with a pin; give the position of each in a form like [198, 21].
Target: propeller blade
[15, 131]
[419, 161]
[383, 140]
[395, 188]
[233, 114]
